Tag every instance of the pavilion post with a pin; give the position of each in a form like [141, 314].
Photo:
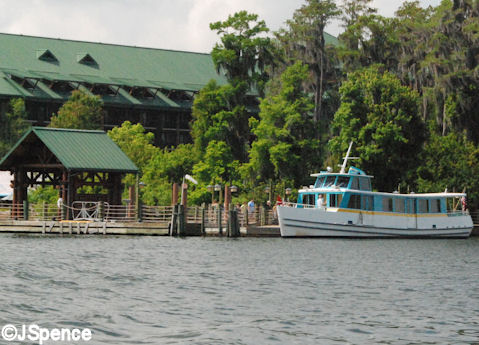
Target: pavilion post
[137, 197]
[174, 194]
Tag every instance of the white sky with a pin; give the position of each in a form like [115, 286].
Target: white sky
[167, 24]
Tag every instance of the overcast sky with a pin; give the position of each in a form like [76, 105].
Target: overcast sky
[167, 24]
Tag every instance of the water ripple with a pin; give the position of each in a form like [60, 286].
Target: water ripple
[159, 290]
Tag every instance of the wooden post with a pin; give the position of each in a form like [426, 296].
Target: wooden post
[174, 194]
[227, 198]
[22, 192]
[184, 200]
[203, 214]
[13, 184]
[25, 209]
[233, 225]
[173, 220]
[137, 197]
[101, 210]
[262, 210]
[181, 221]
[64, 186]
[70, 195]
[132, 198]
[220, 218]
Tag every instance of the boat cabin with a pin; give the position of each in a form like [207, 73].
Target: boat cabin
[353, 191]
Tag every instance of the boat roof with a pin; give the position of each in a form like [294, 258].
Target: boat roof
[410, 195]
[325, 173]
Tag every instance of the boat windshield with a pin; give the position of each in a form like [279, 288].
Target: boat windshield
[342, 182]
[329, 181]
[319, 182]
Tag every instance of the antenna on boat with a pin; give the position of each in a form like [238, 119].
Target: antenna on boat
[343, 167]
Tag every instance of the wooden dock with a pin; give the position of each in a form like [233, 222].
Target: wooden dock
[83, 228]
[121, 228]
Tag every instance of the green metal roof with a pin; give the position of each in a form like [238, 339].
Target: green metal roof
[114, 64]
[78, 150]
[331, 40]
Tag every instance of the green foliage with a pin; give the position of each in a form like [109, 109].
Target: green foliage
[13, 125]
[138, 146]
[216, 117]
[244, 51]
[165, 168]
[381, 117]
[81, 111]
[135, 143]
[48, 195]
[286, 144]
[304, 40]
[451, 162]
[217, 165]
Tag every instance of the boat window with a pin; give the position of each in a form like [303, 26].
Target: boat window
[422, 205]
[411, 206]
[387, 204]
[329, 181]
[434, 206]
[354, 183]
[354, 201]
[335, 200]
[364, 183]
[342, 181]
[319, 182]
[367, 202]
[399, 205]
[308, 199]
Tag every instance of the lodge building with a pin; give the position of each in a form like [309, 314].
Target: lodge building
[154, 87]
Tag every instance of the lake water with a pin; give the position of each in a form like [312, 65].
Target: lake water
[161, 290]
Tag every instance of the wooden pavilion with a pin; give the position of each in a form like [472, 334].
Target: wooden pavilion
[69, 160]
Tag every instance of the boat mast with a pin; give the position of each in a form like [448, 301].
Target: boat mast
[345, 162]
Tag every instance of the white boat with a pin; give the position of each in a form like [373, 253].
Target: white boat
[344, 205]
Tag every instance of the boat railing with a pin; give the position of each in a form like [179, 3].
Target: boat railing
[296, 205]
[457, 213]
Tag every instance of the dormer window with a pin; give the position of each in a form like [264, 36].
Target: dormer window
[46, 55]
[86, 59]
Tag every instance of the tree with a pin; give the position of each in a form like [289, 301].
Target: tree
[285, 147]
[81, 111]
[12, 125]
[137, 145]
[304, 40]
[215, 118]
[165, 168]
[452, 162]
[217, 164]
[244, 51]
[135, 142]
[380, 116]
[220, 113]
[354, 13]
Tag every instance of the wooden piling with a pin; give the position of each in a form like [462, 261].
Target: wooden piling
[203, 220]
[181, 221]
[220, 225]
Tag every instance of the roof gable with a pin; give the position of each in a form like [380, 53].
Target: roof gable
[46, 55]
[77, 150]
[86, 59]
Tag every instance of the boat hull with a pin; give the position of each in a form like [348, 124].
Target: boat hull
[319, 222]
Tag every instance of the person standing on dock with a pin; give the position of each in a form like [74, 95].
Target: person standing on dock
[251, 207]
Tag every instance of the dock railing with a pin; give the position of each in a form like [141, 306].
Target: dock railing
[210, 217]
[86, 211]
[156, 213]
